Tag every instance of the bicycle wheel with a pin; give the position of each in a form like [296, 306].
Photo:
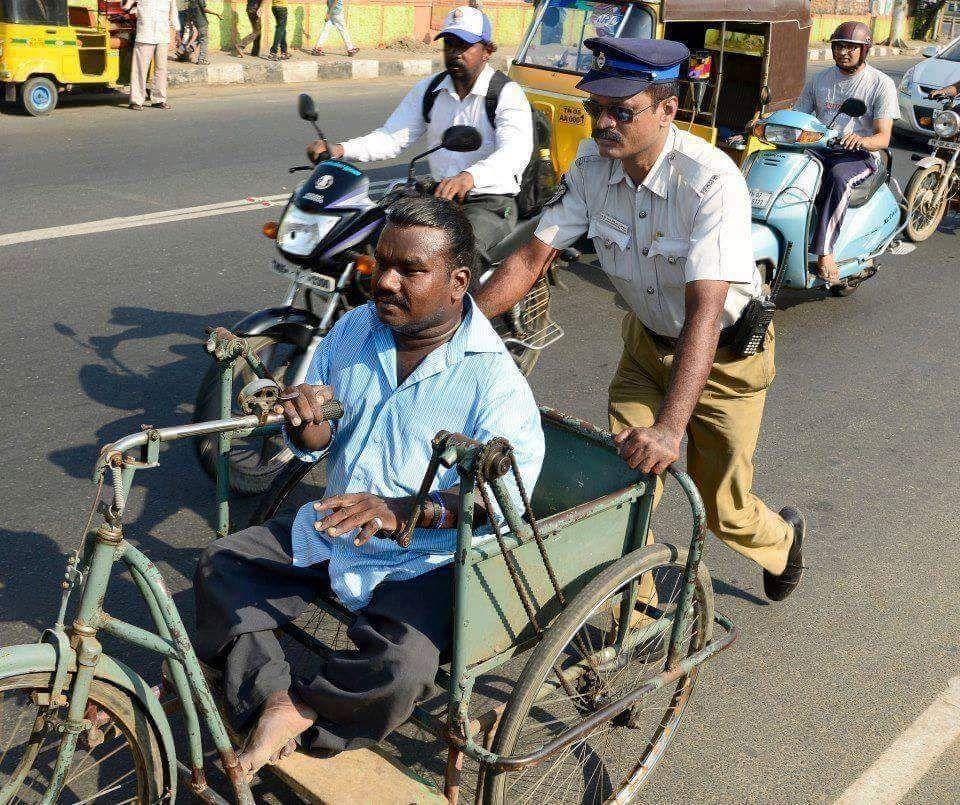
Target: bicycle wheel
[119, 761]
[616, 757]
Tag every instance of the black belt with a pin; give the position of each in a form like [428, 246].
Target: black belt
[727, 335]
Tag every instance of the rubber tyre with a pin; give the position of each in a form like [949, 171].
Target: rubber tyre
[38, 96]
[129, 715]
[245, 480]
[560, 634]
[914, 186]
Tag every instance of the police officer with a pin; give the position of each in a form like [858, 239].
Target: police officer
[670, 218]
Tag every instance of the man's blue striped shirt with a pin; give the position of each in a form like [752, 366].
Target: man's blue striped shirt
[382, 444]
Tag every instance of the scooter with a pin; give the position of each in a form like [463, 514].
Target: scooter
[325, 238]
[783, 187]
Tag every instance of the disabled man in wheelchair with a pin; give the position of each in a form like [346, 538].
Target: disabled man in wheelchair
[418, 359]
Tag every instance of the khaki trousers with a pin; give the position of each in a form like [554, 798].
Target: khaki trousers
[722, 437]
[143, 54]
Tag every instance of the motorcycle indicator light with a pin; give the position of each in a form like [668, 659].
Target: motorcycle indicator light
[777, 134]
[365, 264]
[807, 136]
[270, 229]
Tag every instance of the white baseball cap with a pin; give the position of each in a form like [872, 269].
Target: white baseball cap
[469, 24]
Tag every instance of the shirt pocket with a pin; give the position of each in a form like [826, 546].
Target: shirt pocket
[669, 257]
[614, 249]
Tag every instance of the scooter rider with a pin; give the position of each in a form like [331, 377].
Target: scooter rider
[670, 217]
[851, 163]
[487, 180]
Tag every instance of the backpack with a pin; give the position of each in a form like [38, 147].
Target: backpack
[537, 180]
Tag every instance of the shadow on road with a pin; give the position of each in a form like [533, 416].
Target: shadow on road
[155, 393]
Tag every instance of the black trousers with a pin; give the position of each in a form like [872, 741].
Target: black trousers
[493, 218]
[246, 586]
[280, 32]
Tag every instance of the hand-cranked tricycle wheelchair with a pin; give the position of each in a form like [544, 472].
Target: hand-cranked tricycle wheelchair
[614, 632]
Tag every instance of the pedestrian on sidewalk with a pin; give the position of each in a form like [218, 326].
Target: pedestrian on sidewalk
[155, 18]
[279, 48]
[336, 18]
[194, 31]
[253, 14]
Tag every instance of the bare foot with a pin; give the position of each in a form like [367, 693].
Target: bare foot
[281, 720]
[827, 269]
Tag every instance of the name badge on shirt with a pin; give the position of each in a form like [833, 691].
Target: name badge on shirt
[613, 223]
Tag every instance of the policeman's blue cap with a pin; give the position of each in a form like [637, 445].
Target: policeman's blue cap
[624, 67]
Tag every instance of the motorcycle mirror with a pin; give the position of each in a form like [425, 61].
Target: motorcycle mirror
[461, 138]
[306, 108]
[930, 51]
[853, 107]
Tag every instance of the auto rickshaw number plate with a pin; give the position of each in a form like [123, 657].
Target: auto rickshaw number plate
[316, 282]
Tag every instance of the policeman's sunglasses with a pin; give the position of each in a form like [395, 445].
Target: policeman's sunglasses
[621, 114]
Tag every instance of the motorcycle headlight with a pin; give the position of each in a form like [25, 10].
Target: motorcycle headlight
[300, 232]
[905, 82]
[777, 134]
[946, 123]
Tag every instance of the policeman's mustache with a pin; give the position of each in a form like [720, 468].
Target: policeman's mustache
[607, 135]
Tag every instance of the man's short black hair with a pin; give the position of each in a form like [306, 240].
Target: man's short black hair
[662, 90]
[439, 213]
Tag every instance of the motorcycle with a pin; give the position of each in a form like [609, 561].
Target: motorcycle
[783, 186]
[934, 184]
[325, 239]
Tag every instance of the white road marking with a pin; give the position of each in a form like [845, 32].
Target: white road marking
[248, 204]
[912, 755]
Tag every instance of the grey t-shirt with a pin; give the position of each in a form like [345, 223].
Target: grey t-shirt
[827, 90]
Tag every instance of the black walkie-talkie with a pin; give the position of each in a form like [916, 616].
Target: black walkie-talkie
[758, 314]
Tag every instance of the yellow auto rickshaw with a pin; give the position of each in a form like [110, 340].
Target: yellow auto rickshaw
[747, 60]
[47, 47]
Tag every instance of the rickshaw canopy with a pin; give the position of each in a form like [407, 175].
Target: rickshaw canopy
[797, 11]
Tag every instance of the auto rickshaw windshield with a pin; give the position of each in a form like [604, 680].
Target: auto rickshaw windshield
[557, 35]
[40, 12]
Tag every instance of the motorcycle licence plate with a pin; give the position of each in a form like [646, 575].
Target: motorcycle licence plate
[316, 282]
[759, 198]
[945, 144]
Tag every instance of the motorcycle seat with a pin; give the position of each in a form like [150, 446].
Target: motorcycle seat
[864, 191]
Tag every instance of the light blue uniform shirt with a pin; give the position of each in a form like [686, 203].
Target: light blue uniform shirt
[382, 445]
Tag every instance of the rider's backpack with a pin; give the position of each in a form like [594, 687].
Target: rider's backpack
[537, 180]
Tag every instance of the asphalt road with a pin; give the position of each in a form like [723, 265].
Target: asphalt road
[103, 333]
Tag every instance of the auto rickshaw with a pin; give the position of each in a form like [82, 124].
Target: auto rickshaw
[47, 47]
[746, 60]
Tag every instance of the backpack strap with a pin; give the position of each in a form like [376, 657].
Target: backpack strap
[430, 96]
[497, 82]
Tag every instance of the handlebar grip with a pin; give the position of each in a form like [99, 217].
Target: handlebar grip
[323, 156]
[297, 168]
[331, 410]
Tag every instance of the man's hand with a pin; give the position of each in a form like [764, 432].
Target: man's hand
[319, 147]
[456, 187]
[648, 449]
[851, 142]
[362, 510]
[306, 408]
[945, 92]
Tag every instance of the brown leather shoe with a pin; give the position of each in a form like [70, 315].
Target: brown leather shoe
[161, 106]
[136, 107]
[779, 587]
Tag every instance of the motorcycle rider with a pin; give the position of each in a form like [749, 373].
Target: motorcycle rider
[855, 158]
[485, 181]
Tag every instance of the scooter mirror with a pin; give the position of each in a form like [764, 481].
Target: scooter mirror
[306, 108]
[853, 107]
[461, 138]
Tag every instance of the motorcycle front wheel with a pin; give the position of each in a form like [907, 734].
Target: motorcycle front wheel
[925, 217]
[254, 461]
